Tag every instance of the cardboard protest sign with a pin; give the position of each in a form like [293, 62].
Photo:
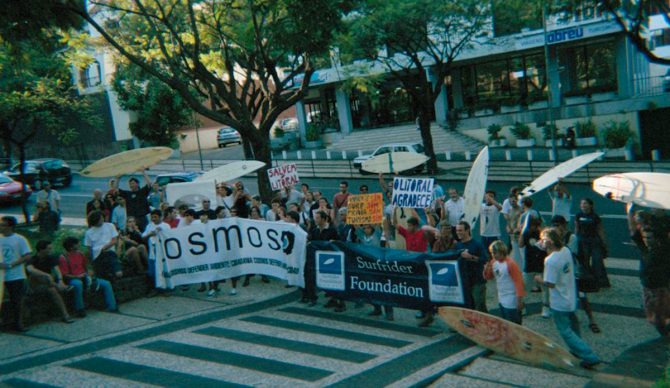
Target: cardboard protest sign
[282, 176]
[413, 192]
[365, 209]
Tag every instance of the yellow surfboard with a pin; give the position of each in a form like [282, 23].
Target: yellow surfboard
[126, 162]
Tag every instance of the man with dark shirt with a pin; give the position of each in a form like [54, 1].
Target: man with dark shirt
[475, 259]
[97, 197]
[45, 274]
[653, 241]
[206, 209]
[321, 231]
[137, 204]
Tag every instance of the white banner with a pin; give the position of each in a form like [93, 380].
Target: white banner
[413, 192]
[191, 193]
[283, 176]
[225, 248]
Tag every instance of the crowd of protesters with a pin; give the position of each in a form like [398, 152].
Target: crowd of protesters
[561, 265]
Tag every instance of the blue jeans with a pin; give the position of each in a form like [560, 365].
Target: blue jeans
[512, 315]
[107, 292]
[568, 328]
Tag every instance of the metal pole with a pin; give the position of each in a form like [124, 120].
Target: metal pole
[197, 138]
[550, 107]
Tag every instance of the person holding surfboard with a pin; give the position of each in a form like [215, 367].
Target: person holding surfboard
[559, 278]
[489, 219]
[561, 200]
[137, 204]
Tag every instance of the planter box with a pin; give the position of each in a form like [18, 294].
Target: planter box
[313, 144]
[510, 108]
[497, 143]
[559, 143]
[277, 144]
[623, 152]
[525, 143]
[586, 141]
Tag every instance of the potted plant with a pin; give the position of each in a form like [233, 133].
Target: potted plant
[313, 136]
[495, 140]
[586, 134]
[522, 133]
[547, 133]
[617, 137]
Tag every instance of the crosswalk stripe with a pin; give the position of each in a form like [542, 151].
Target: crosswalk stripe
[265, 365]
[362, 321]
[281, 343]
[290, 325]
[144, 374]
[22, 383]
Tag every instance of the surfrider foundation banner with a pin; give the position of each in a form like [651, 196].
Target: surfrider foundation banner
[388, 276]
[225, 248]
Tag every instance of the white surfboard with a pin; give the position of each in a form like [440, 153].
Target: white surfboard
[649, 189]
[561, 171]
[475, 187]
[127, 162]
[394, 162]
[191, 193]
[231, 171]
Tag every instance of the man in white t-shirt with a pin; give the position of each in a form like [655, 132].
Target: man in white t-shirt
[561, 201]
[489, 219]
[150, 234]
[559, 277]
[15, 253]
[47, 194]
[101, 238]
[454, 209]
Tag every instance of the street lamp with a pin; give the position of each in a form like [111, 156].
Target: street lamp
[197, 138]
[550, 107]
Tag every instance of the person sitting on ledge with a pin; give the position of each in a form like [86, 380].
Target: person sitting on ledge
[45, 275]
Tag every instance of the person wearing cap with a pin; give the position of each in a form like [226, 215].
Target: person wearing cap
[570, 240]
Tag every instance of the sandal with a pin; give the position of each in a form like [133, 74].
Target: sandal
[594, 328]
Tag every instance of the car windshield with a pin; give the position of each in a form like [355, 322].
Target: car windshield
[382, 150]
[53, 164]
[419, 148]
[4, 180]
[226, 130]
[29, 167]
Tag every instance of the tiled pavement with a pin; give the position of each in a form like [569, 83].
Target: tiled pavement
[263, 337]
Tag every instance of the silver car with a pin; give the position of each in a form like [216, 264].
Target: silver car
[228, 136]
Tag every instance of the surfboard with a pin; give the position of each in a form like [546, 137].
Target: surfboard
[475, 187]
[126, 162]
[561, 171]
[231, 171]
[649, 189]
[191, 193]
[394, 162]
[507, 338]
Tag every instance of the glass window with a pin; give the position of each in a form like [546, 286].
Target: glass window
[588, 69]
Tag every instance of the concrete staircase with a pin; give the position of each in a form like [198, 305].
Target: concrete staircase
[443, 139]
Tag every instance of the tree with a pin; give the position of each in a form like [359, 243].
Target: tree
[37, 99]
[235, 62]
[160, 110]
[419, 37]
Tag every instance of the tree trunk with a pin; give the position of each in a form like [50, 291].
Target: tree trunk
[427, 138]
[248, 149]
[24, 204]
[263, 153]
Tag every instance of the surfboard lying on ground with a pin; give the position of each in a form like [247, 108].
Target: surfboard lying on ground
[561, 171]
[475, 187]
[394, 162]
[127, 162]
[650, 189]
[231, 171]
[507, 338]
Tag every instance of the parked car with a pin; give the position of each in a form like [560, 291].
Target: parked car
[228, 136]
[392, 147]
[666, 81]
[177, 177]
[10, 190]
[289, 124]
[56, 171]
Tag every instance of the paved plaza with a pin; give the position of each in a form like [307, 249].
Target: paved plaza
[264, 337]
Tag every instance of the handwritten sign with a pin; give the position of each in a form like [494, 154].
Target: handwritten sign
[283, 176]
[365, 209]
[413, 192]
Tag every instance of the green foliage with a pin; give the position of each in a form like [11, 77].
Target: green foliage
[313, 132]
[494, 131]
[520, 130]
[616, 134]
[511, 16]
[63, 233]
[585, 128]
[547, 129]
[160, 110]
[278, 132]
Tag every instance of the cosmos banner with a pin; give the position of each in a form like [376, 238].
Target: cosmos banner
[224, 248]
[387, 276]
